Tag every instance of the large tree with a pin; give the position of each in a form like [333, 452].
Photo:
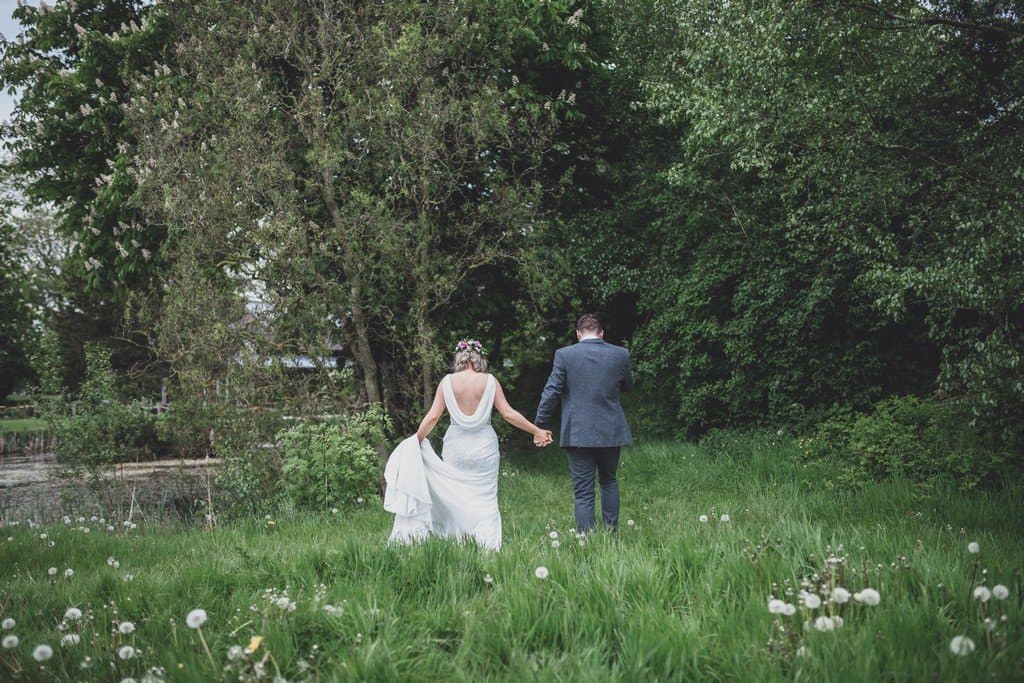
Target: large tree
[355, 165]
[847, 211]
[70, 149]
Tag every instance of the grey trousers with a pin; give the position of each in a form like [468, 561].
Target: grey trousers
[583, 462]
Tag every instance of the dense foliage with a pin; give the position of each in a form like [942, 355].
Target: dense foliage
[789, 211]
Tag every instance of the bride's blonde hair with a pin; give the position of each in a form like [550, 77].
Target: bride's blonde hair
[469, 352]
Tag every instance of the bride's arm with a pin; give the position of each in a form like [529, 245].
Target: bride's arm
[432, 416]
[511, 415]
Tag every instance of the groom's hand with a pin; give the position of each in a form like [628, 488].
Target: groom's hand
[543, 438]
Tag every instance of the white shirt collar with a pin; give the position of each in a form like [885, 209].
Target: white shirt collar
[589, 336]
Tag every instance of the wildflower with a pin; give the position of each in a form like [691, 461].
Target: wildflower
[840, 595]
[999, 592]
[196, 618]
[868, 596]
[10, 642]
[43, 652]
[70, 639]
[69, 572]
[982, 593]
[961, 645]
[254, 643]
[824, 624]
[8, 624]
[630, 522]
[553, 535]
[788, 609]
[488, 579]
[42, 536]
[360, 500]
[973, 548]
[810, 600]
[73, 613]
[724, 518]
[541, 573]
[52, 571]
[282, 602]
[703, 518]
[235, 652]
[126, 628]
[555, 544]
[126, 652]
[776, 606]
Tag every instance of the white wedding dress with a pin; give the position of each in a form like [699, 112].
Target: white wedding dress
[455, 496]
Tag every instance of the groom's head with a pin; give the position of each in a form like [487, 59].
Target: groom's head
[589, 325]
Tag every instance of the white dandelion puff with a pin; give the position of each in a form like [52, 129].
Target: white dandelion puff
[973, 548]
[73, 613]
[541, 572]
[961, 645]
[196, 618]
[10, 641]
[1000, 592]
[868, 596]
[982, 593]
[8, 624]
[42, 652]
[126, 652]
[840, 595]
[126, 628]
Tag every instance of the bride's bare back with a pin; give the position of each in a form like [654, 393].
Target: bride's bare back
[468, 387]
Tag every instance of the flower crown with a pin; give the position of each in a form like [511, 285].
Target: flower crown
[470, 345]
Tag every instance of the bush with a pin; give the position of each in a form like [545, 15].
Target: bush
[98, 429]
[328, 464]
[916, 438]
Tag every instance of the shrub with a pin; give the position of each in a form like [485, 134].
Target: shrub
[327, 464]
[98, 429]
[916, 438]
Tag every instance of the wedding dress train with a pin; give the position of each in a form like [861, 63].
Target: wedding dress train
[456, 495]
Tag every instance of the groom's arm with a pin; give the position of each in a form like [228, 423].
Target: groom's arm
[552, 394]
[626, 383]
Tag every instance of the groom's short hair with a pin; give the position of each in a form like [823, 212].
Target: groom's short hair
[589, 322]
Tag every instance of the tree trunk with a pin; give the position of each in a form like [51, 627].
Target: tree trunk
[361, 349]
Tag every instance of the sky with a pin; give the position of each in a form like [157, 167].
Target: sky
[10, 28]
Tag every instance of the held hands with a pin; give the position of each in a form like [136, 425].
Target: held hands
[542, 438]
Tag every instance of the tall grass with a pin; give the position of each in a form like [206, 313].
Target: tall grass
[668, 598]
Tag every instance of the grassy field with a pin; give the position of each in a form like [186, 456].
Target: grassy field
[669, 598]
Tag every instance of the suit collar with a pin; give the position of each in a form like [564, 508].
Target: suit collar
[592, 339]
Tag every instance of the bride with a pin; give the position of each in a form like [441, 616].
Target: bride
[456, 495]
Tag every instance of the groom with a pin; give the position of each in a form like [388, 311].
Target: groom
[586, 379]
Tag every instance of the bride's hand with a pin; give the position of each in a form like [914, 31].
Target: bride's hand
[542, 438]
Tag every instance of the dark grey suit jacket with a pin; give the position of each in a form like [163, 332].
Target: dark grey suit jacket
[586, 379]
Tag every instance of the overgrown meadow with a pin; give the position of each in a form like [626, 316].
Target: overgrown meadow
[730, 564]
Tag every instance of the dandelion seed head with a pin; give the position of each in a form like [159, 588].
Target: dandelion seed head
[7, 624]
[961, 645]
[196, 618]
[541, 572]
[126, 627]
[974, 549]
[10, 641]
[982, 593]
[126, 652]
[1000, 592]
[42, 652]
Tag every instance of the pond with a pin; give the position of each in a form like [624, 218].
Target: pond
[30, 488]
